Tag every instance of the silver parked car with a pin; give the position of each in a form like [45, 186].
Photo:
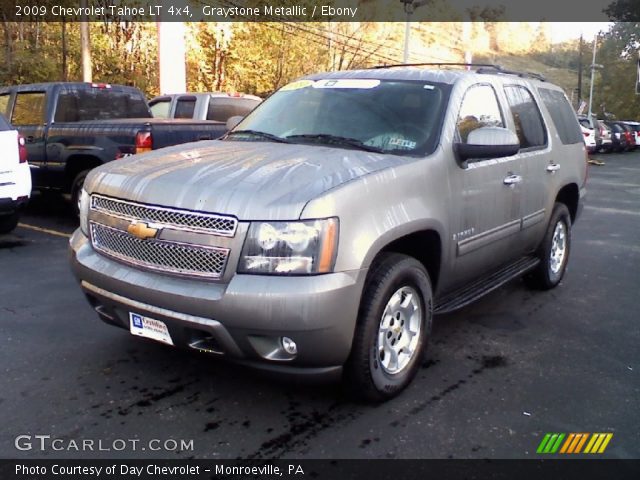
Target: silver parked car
[322, 234]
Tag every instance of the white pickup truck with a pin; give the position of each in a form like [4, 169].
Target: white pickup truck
[15, 177]
[216, 106]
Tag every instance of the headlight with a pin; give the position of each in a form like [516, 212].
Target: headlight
[84, 212]
[290, 248]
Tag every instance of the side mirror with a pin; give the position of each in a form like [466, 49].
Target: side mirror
[488, 142]
[233, 121]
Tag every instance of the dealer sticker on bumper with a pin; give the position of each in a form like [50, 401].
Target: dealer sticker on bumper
[149, 328]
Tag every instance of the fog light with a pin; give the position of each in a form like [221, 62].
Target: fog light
[289, 346]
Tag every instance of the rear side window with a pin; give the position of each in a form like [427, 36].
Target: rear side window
[4, 103]
[222, 109]
[562, 115]
[80, 105]
[479, 108]
[526, 116]
[185, 107]
[29, 109]
[160, 108]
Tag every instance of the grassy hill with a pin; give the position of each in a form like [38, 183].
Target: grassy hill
[567, 79]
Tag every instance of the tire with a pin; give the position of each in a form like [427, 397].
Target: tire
[553, 252]
[76, 190]
[373, 372]
[8, 222]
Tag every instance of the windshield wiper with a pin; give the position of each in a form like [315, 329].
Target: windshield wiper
[329, 139]
[257, 133]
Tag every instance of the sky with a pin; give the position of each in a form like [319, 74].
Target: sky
[561, 31]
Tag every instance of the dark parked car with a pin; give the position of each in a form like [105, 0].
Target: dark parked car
[619, 140]
[71, 128]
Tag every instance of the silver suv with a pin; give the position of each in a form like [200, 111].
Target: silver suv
[322, 234]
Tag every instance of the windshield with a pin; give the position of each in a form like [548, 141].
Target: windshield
[400, 117]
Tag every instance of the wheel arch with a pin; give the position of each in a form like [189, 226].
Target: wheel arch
[424, 245]
[570, 196]
[76, 164]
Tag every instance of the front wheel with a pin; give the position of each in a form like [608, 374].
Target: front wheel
[553, 252]
[394, 323]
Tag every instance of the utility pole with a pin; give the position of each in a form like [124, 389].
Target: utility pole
[85, 44]
[593, 73]
[409, 7]
[65, 70]
[579, 100]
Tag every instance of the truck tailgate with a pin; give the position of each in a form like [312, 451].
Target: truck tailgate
[166, 134]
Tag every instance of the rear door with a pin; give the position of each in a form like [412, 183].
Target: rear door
[538, 162]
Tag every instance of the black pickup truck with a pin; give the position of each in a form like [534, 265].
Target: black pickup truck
[71, 128]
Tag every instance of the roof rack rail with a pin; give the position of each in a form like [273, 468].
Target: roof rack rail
[500, 70]
[438, 64]
[481, 68]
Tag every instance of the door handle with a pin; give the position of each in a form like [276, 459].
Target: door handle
[553, 167]
[30, 139]
[512, 180]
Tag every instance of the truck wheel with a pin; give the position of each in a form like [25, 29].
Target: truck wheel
[394, 323]
[8, 222]
[553, 252]
[76, 190]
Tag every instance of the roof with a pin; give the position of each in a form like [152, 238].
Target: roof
[45, 85]
[427, 74]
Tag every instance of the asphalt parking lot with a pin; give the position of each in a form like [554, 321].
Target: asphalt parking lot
[500, 374]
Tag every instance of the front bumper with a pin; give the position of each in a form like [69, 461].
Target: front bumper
[242, 320]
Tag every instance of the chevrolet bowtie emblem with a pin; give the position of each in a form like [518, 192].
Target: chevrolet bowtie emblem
[142, 230]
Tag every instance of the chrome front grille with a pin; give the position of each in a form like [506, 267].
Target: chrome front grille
[166, 217]
[164, 256]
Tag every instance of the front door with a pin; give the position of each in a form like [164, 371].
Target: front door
[487, 224]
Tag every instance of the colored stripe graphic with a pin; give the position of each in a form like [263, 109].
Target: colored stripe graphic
[598, 443]
[550, 443]
[574, 443]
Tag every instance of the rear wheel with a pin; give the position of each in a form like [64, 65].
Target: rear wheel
[393, 326]
[554, 251]
[8, 222]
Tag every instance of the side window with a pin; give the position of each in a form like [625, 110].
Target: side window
[221, 109]
[161, 108]
[562, 115]
[67, 107]
[526, 116]
[4, 103]
[479, 108]
[28, 109]
[185, 107]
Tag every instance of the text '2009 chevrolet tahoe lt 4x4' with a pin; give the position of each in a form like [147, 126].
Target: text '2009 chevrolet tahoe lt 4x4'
[322, 234]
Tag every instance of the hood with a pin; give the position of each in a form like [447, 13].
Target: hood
[251, 180]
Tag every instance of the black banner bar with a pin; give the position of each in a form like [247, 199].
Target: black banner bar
[321, 10]
[540, 469]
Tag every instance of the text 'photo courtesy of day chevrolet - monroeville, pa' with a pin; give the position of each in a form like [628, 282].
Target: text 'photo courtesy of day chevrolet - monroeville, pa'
[321, 239]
